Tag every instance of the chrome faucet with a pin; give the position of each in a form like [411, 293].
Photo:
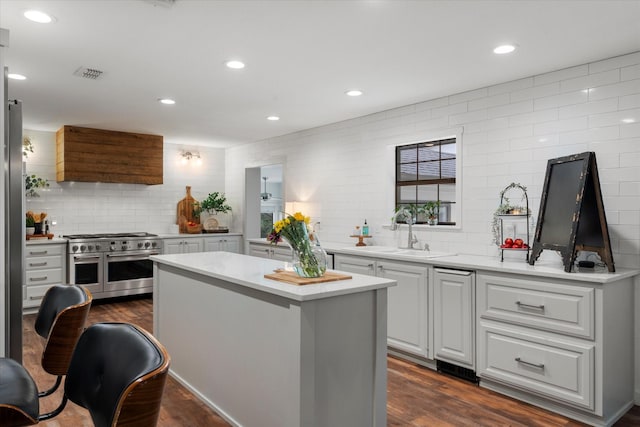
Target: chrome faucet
[406, 213]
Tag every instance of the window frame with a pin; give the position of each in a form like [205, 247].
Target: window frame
[451, 134]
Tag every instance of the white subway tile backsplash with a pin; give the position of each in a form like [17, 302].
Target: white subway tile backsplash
[533, 117]
[510, 86]
[489, 101]
[564, 74]
[559, 126]
[630, 73]
[590, 81]
[510, 109]
[615, 62]
[560, 100]
[612, 119]
[468, 96]
[538, 91]
[631, 130]
[618, 89]
[629, 101]
[587, 108]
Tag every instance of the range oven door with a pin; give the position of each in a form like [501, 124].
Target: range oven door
[86, 270]
[129, 271]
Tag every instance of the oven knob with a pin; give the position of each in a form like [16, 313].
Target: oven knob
[97, 247]
[146, 244]
[90, 247]
[140, 244]
[74, 248]
[153, 244]
[83, 248]
[112, 247]
[124, 247]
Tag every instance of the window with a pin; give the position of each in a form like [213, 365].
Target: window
[426, 172]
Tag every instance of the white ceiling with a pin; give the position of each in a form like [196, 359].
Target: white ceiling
[301, 56]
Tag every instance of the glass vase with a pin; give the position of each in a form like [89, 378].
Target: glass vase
[309, 258]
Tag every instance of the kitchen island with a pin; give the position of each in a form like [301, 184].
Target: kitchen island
[267, 353]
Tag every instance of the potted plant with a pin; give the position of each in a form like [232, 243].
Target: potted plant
[431, 211]
[215, 204]
[32, 182]
[30, 223]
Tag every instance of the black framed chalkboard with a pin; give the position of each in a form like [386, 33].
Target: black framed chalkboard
[572, 215]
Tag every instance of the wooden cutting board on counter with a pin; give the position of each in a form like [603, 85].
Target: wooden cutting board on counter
[185, 208]
[294, 279]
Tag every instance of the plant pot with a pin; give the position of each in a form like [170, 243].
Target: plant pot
[31, 231]
[432, 221]
[37, 228]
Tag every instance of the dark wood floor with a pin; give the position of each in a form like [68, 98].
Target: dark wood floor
[417, 396]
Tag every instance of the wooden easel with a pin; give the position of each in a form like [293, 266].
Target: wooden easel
[572, 217]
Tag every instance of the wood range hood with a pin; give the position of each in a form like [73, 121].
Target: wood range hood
[95, 155]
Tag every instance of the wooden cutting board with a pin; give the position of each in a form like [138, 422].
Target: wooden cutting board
[185, 208]
[294, 279]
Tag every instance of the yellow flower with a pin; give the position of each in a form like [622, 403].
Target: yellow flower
[287, 221]
[307, 220]
[298, 216]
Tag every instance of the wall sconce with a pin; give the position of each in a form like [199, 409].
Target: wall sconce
[187, 156]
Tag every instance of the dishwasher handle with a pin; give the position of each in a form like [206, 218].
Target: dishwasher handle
[456, 272]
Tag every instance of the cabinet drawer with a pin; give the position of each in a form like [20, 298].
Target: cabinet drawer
[33, 295]
[44, 250]
[548, 306]
[556, 369]
[43, 277]
[43, 262]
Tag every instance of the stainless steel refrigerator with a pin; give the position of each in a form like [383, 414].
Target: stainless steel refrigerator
[14, 230]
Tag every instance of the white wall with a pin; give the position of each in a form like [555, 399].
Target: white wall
[87, 207]
[509, 132]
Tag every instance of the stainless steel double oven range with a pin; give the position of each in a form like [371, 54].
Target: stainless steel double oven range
[112, 265]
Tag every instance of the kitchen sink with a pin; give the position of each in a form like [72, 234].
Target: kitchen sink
[418, 253]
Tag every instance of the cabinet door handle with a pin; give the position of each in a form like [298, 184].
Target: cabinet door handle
[38, 279]
[534, 307]
[37, 264]
[533, 365]
[38, 253]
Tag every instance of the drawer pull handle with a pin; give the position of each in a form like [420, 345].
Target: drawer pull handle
[38, 253]
[37, 264]
[533, 365]
[370, 265]
[535, 307]
[38, 279]
[36, 297]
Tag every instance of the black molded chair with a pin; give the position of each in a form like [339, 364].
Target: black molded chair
[60, 321]
[118, 372]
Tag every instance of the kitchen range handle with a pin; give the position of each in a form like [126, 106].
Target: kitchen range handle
[132, 254]
[533, 365]
[84, 258]
[456, 272]
[531, 306]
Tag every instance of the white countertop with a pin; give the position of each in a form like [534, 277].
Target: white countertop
[54, 241]
[249, 271]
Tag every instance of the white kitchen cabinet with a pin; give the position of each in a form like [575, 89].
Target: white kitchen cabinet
[407, 321]
[182, 245]
[564, 345]
[267, 250]
[222, 243]
[45, 265]
[453, 316]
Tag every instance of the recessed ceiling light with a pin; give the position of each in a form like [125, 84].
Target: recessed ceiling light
[16, 76]
[628, 120]
[167, 101]
[273, 118]
[37, 16]
[353, 92]
[505, 48]
[236, 65]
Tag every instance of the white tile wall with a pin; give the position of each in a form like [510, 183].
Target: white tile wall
[86, 207]
[510, 131]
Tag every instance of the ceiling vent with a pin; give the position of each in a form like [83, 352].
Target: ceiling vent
[88, 73]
